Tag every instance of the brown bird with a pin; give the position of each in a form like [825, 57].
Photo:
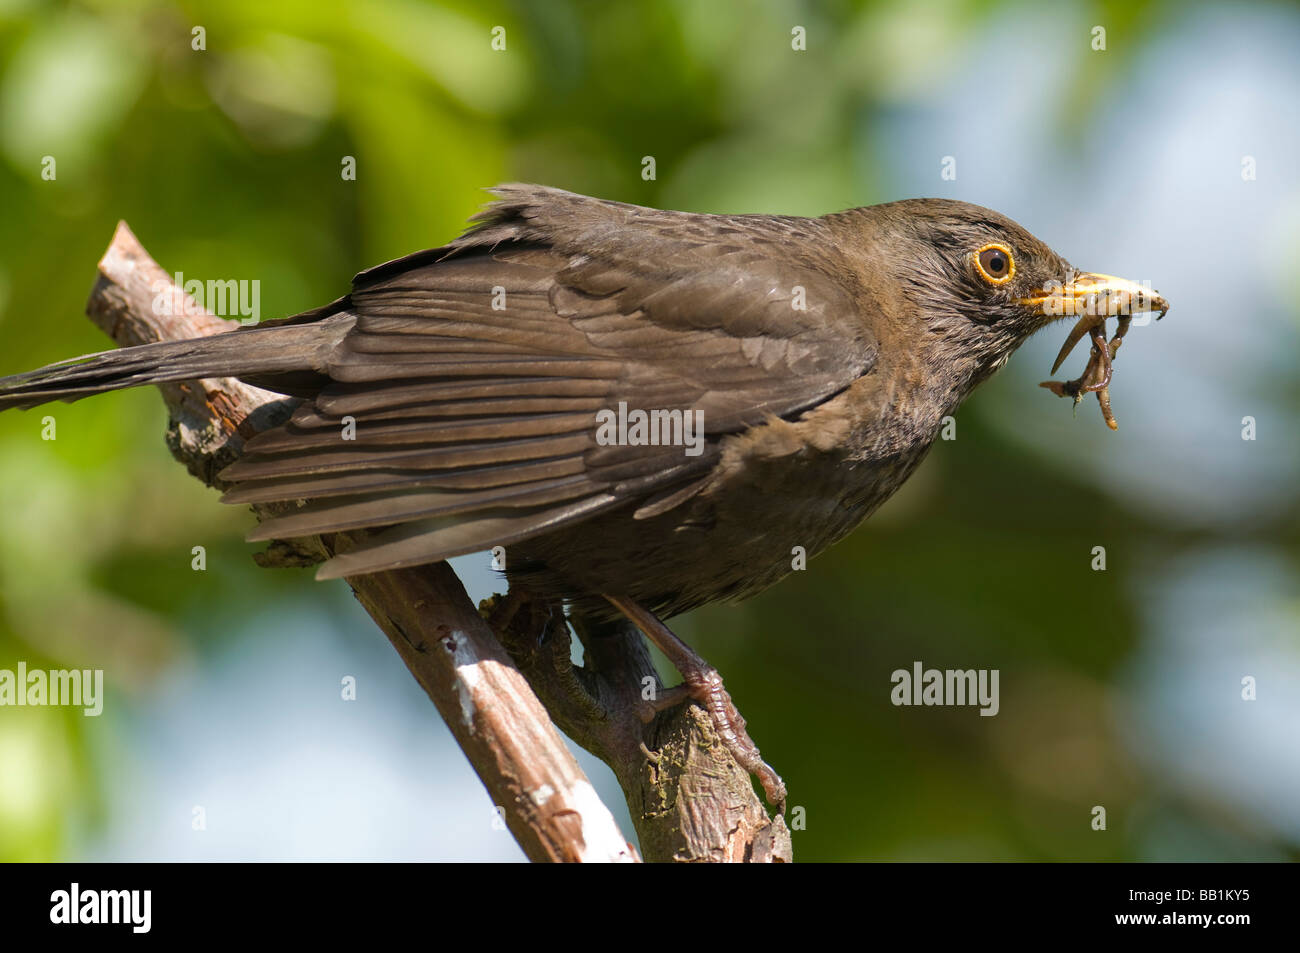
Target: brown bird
[650, 410]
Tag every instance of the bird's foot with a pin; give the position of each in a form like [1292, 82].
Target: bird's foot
[703, 684]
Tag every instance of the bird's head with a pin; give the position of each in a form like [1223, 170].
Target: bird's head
[979, 285]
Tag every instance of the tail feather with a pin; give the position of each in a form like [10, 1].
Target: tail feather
[262, 352]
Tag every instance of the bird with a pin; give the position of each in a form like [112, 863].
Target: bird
[647, 410]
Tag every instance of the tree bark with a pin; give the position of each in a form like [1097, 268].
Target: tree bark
[688, 799]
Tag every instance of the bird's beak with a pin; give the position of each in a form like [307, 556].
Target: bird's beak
[1102, 296]
[1093, 298]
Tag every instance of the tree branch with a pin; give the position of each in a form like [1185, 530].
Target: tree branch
[547, 801]
[688, 798]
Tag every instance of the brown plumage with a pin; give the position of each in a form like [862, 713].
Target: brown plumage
[821, 354]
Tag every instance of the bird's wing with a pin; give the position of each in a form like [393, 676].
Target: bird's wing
[463, 406]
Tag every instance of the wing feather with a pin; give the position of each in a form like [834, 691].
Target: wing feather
[462, 409]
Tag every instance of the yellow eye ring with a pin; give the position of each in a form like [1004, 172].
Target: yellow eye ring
[995, 263]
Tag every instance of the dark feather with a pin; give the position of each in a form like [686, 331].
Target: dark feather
[470, 425]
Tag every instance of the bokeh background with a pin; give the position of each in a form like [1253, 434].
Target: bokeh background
[1169, 156]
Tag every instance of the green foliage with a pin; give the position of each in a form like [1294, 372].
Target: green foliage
[227, 162]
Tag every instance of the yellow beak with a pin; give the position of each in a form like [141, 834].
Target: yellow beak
[1102, 296]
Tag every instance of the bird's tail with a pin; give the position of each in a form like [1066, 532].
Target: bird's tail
[263, 353]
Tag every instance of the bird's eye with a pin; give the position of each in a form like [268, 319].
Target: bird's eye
[995, 264]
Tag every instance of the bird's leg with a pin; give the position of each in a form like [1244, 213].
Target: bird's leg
[703, 684]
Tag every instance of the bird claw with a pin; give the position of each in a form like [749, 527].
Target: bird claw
[707, 689]
[702, 683]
